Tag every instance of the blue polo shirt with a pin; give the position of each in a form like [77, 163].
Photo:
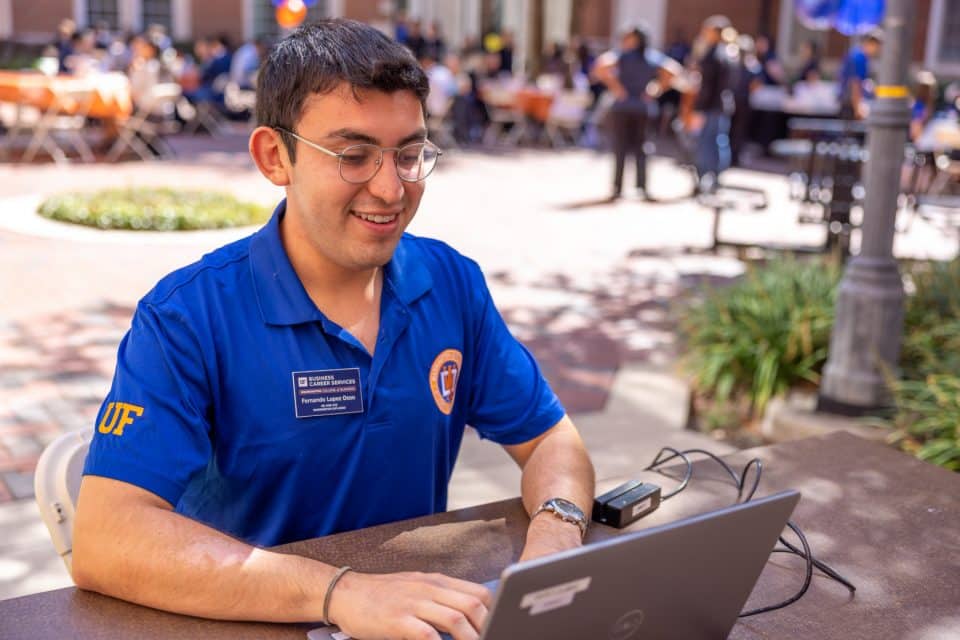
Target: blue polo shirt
[237, 401]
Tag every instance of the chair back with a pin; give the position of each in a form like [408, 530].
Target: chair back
[57, 484]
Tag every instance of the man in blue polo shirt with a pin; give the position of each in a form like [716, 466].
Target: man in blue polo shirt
[317, 377]
[855, 89]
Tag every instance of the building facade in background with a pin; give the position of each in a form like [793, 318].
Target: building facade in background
[937, 45]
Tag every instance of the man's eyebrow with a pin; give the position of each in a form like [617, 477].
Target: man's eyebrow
[417, 136]
[353, 135]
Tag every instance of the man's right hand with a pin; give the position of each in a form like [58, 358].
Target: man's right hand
[399, 606]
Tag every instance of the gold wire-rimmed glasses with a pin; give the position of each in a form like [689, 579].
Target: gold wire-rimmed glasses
[359, 163]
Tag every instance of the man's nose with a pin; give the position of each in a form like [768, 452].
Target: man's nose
[386, 185]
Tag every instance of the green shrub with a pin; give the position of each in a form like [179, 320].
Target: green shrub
[928, 395]
[766, 333]
[770, 331]
[928, 418]
[931, 343]
[155, 209]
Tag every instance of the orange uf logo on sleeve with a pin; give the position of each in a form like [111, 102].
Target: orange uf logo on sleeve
[117, 416]
[444, 375]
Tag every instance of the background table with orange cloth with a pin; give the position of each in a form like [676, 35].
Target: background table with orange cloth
[528, 100]
[109, 93]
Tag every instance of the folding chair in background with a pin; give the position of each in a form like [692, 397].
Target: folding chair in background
[154, 117]
[66, 116]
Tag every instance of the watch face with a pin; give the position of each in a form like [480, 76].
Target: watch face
[567, 508]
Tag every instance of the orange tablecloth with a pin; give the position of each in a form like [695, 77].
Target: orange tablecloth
[528, 100]
[109, 92]
[535, 103]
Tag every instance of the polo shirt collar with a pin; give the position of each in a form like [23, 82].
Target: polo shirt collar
[281, 296]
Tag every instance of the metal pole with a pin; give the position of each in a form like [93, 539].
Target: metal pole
[869, 314]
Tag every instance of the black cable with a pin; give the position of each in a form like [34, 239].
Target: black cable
[686, 476]
[740, 482]
[807, 577]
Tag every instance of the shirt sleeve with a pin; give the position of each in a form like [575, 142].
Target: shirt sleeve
[861, 66]
[152, 430]
[510, 400]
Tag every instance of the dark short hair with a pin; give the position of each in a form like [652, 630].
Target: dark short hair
[639, 33]
[319, 56]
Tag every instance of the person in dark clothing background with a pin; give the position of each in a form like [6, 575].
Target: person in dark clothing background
[747, 77]
[810, 57]
[713, 106]
[627, 77]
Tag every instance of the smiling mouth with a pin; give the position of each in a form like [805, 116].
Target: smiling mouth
[376, 218]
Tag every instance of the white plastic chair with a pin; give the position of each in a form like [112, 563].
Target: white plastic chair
[56, 483]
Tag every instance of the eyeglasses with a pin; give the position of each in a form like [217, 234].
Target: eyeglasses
[360, 162]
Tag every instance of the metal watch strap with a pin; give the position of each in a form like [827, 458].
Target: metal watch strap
[550, 507]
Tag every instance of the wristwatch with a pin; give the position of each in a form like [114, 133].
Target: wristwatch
[566, 511]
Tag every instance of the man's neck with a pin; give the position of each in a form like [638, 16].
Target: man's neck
[339, 292]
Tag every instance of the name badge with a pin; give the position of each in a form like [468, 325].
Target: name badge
[332, 392]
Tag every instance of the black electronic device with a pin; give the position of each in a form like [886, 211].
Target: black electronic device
[626, 503]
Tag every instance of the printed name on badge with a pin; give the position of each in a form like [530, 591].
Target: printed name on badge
[330, 392]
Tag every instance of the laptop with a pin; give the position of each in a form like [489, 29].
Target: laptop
[684, 580]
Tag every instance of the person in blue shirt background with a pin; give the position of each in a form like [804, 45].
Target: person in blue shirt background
[317, 377]
[855, 91]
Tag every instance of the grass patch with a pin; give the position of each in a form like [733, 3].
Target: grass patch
[153, 209]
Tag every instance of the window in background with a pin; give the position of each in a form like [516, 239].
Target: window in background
[949, 52]
[158, 12]
[103, 11]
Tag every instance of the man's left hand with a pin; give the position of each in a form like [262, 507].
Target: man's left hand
[549, 534]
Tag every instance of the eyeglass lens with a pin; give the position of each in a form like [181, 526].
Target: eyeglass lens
[414, 162]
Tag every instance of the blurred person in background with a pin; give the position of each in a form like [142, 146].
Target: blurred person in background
[669, 101]
[713, 104]
[772, 73]
[679, 48]
[102, 34]
[470, 116]
[64, 42]
[506, 51]
[747, 78]
[629, 75]
[554, 60]
[214, 59]
[157, 34]
[924, 103]
[415, 40]
[809, 62]
[443, 85]
[84, 58]
[401, 30]
[246, 62]
[434, 44]
[856, 90]
[145, 70]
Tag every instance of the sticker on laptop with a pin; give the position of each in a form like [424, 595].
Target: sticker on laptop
[557, 597]
[331, 392]
[327, 633]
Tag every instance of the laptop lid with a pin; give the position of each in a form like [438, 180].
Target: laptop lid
[684, 580]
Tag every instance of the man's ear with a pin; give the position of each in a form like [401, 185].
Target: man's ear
[270, 155]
